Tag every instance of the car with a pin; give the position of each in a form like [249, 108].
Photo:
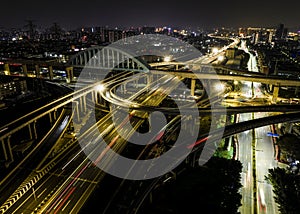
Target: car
[261, 200]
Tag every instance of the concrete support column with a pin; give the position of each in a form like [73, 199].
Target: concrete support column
[84, 103]
[4, 150]
[34, 130]
[289, 127]
[70, 75]
[275, 93]
[50, 69]
[55, 114]
[193, 85]
[149, 79]
[50, 118]
[296, 90]
[6, 69]
[93, 96]
[229, 143]
[37, 71]
[9, 149]
[25, 71]
[77, 111]
[81, 104]
[96, 97]
[30, 132]
[228, 119]
[123, 88]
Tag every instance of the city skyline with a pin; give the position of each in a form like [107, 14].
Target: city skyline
[174, 121]
[133, 13]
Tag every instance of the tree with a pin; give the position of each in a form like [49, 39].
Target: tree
[213, 188]
[286, 187]
[289, 146]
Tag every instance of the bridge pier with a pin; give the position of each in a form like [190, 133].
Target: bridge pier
[193, 85]
[297, 91]
[55, 114]
[50, 69]
[4, 150]
[124, 88]
[6, 69]
[34, 130]
[25, 71]
[77, 110]
[95, 95]
[289, 127]
[82, 103]
[149, 79]
[275, 93]
[30, 132]
[37, 71]
[50, 118]
[9, 149]
[70, 74]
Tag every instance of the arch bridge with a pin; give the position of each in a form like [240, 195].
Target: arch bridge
[108, 58]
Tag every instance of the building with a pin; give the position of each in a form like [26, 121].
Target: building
[12, 87]
[281, 32]
[258, 35]
[230, 53]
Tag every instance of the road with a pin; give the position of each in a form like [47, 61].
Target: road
[264, 153]
[264, 160]
[70, 183]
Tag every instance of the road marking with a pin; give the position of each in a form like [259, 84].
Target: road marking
[66, 205]
[54, 208]
[41, 193]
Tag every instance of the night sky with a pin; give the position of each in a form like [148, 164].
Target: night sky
[176, 13]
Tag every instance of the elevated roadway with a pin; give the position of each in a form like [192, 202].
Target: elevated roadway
[271, 80]
[12, 187]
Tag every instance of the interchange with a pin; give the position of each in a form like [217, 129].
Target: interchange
[67, 189]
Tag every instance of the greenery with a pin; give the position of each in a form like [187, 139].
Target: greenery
[286, 189]
[213, 188]
[289, 146]
[222, 151]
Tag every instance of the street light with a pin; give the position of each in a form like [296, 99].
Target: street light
[100, 88]
[219, 87]
[215, 50]
[167, 59]
[221, 58]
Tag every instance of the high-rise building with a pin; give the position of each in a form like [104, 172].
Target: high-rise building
[270, 37]
[12, 87]
[280, 32]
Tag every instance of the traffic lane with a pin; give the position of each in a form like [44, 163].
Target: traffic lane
[35, 196]
[85, 171]
[56, 176]
[46, 187]
[265, 161]
[80, 192]
[264, 152]
[18, 175]
[245, 157]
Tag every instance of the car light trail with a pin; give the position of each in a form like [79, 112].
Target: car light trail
[197, 142]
